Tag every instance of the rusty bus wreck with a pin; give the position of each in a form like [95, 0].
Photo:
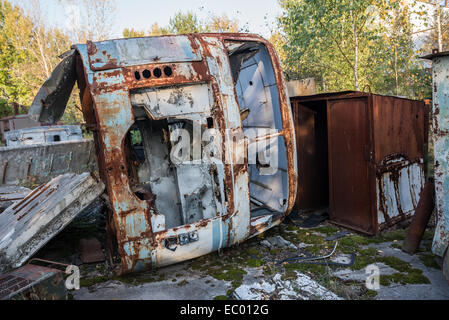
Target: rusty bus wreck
[136, 93]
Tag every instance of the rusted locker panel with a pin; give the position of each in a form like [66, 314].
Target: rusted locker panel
[376, 147]
[350, 188]
[399, 138]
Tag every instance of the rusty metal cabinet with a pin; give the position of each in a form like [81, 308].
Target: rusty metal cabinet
[375, 145]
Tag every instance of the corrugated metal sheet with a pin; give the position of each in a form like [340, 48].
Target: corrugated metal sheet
[30, 223]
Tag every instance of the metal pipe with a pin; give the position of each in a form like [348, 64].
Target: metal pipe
[421, 218]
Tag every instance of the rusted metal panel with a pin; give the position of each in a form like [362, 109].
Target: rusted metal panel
[398, 127]
[15, 123]
[399, 138]
[29, 224]
[10, 195]
[136, 51]
[399, 184]
[33, 282]
[440, 70]
[349, 172]
[376, 157]
[138, 94]
[421, 218]
[51, 100]
[90, 250]
[39, 163]
[41, 135]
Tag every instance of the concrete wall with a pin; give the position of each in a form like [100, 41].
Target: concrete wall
[37, 164]
[304, 87]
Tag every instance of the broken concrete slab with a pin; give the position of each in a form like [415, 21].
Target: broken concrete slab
[279, 242]
[412, 292]
[29, 224]
[361, 275]
[301, 288]
[189, 287]
[347, 259]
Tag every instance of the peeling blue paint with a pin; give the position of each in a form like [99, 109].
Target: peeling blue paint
[440, 65]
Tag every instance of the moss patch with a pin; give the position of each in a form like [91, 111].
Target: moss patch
[429, 261]
[396, 263]
[428, 235]
[364, 258]
[414, 276]
[88, 282]
[314, 269]
[327, 230]
[370, 294]
[182, 283]
[254, 263]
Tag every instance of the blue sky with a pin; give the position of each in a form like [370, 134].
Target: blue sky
[258, 15]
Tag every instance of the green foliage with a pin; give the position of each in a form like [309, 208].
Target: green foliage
[131, 33]
[29, 51]
[182, 23]
[348, 44]
[136, 137]
[12, 87]
[5, 109]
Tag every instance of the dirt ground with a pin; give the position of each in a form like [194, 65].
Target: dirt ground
[256, 269]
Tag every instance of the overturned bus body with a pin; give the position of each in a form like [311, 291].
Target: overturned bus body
[194, 139]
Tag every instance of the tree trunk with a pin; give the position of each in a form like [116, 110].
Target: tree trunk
[440, 36]
[356, 53]
[396, 70]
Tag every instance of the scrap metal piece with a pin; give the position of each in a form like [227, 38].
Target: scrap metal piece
[43, 135]
[29, 224]
[39, 163]
[308, 259]
[32, 282]
[338, 235]
[10, 195]
[90, 251]
[51, 100]
[421, 218]
[139, 93]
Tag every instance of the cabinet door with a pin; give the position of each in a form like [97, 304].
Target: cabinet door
[348, 124]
